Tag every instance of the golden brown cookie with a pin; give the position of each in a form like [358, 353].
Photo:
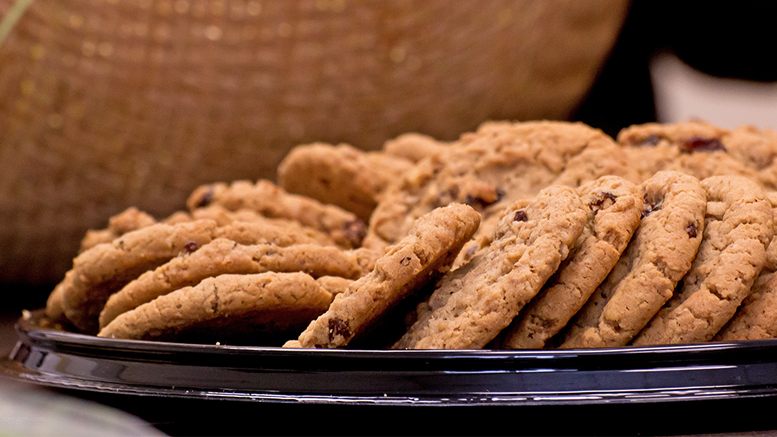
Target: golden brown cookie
[756, 318]
[340, 175]
[473, 304]
[256, 309]
[416, 260]
[489, 170]
[614, 211]
[223, 217]
[222, 256]
[272, 201]
[658, 256]
[696, 148]
[413, 147]
[106, 268]
[126, 221]
[738, 227]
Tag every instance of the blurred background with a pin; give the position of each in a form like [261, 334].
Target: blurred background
[106, 104]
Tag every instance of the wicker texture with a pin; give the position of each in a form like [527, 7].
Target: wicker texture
[111, 103]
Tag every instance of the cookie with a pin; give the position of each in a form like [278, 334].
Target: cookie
[756, 318]
[340, 175]
[614, 211]
[696, 148]
[106, 268]
[757, 149]
[55, 306]
[738, 227]
[272, 201]
[415, 261]
[488, 169]
[658, 256]
[223, 217]
[771, 251]
[222, 256]
[413, 147]
[126, 221]
[598, 160]
[473, 304]
[334, 284]
[252, 309]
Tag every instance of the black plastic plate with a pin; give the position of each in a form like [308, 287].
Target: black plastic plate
[463, 377]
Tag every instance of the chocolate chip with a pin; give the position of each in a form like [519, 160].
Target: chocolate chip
[500, 194]
[355, 231]
[520, 216]
[691, 230]
[600, 198]
[190, 247]
[699, 144]
[485, 199]
[339, 327]
[205, 200]
[476, 202]
[405, 261]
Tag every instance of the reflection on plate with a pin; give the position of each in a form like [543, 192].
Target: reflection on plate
[532, 377]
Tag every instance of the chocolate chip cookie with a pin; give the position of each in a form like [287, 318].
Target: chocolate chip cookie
[258, 309]
[614, 211]
[756, 318]
[413, 147]
[473, 304]
[222, 256]
[696, 148]
[418, 259]
[738, 227]
[272, 201]
[658, 256]
[106, 268]
[340, 175]
[488, 169]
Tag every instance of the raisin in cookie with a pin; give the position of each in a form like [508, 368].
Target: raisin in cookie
[614, 210]
[695, 147]
[473, 304]
[256, 309]
[222, 256]
[738, 228]
[658, 256]
[418, 259]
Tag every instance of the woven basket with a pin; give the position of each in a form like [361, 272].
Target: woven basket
[106, 104]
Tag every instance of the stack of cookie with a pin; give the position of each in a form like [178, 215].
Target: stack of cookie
[519, 235]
